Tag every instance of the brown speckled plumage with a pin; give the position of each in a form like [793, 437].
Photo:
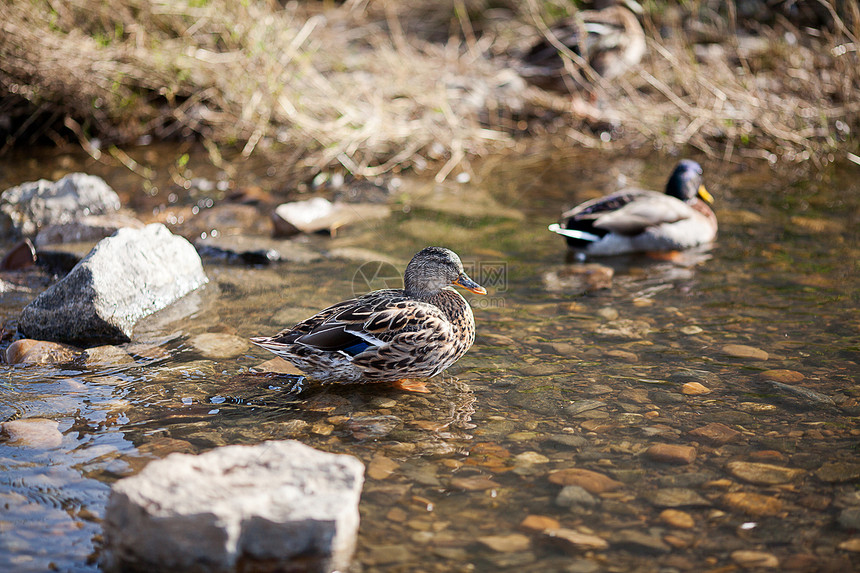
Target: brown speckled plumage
[387, 335]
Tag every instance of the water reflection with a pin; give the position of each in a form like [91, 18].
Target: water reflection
[747, 353]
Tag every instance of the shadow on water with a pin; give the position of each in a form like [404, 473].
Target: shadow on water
[674, 384]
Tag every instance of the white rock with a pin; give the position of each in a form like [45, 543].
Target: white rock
[123, 279]
[279, 504]
[320, 214]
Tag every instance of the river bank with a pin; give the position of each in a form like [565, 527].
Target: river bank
[377, 87]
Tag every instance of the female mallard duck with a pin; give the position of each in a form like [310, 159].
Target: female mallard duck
[636, 220]
[610, 40]
[388, 335]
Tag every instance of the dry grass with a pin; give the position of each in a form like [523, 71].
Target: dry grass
[374, 87]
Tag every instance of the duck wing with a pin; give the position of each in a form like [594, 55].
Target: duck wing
[366, 323]
[646, 209]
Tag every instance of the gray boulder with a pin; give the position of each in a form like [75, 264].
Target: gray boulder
[123, 279]
[28, 207]
[276, 506]
[88, 228]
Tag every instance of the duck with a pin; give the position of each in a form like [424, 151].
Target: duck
[643, 221]
[610, 40]
[388, 335]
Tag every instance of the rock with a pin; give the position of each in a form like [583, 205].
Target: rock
[273, 506]
[28, 351]
[763, 474]
[20, 256]
[218, 346]
[784, 376]
[686, 480]
[677, 518]
[249, 250]
[372, 427]
[672, 453]
[578, 279]
[90, 228]
[527, 463]
[852, 545]
[381, 467]
[623, 355]
[474, 483]
[838, 472]
[754, 559]
[673, 497]
[32, 433]
[806, 394]
[743, 351]
[107, 355]
[849, 518]
[639, 541]
[801, 562]
[279, 366]
[753, 503]
[694, 389]
[625, 328]
[716, 434]
[320, 214]
[608, 313]
[539, 523]
[568, 440]
[570, 539]
[382, 555]
[28, 207]
[592, 482]
[124, 278]
[573, 496]
[581, 406]
[510, 543]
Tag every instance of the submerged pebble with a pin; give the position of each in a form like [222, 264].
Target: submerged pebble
[591, 481]
[763, 474]
[755, 559]
[694, 389]
[570, 539]
[28, 351]
[839, 472]
[784, 376]
[573, 496]
[218, 346]
[672, 453]
[744, 351]
[677, 518]
[33, 433]
[510, 543]
[753, 503]
[107, 355]
[716, 433]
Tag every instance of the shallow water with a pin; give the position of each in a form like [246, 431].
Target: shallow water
[556, 380]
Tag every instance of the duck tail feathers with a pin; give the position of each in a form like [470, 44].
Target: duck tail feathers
[574, 233]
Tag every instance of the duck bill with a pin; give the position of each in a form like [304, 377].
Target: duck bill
[469, 284]
[706, 197]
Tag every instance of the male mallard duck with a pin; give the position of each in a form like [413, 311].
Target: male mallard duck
[636, 220]
[391, 334]
[610, 40]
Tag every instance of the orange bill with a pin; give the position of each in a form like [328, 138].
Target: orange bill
[468, 284]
